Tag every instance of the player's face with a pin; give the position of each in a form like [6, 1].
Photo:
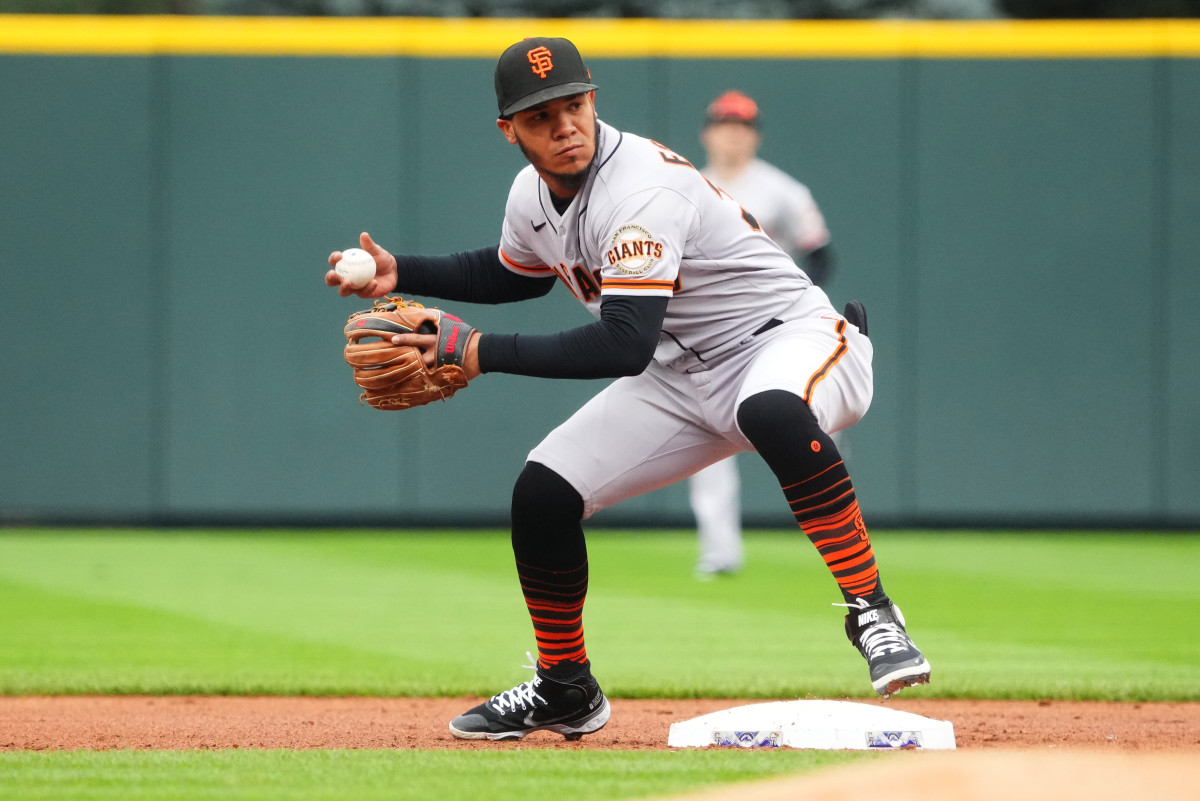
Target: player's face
[730, 142]
[559, 139]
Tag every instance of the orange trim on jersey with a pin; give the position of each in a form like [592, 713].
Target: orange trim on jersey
[643, 284]
[540, 269]
[836, 357]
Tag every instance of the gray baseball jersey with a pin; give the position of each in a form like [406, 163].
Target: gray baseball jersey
[648, 223]
[741, 318]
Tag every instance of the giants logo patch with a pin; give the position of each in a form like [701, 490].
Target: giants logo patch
[634, 250]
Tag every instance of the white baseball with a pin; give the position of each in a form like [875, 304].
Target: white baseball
[357, 267]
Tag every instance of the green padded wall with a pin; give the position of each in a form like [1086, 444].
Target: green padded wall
[1174, 315]
[1021, 230]
[1034, 358]
[83, 358]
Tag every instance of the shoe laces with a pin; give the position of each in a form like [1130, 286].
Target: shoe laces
[884, 638]
[524, 695]
[879, 639]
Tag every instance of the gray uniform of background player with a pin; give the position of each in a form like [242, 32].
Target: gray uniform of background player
[785, 209]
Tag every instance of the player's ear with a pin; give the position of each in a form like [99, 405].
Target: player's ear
[506, 128]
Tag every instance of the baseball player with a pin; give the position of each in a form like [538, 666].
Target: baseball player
[717, 342]
[783, 206]
[785, 209]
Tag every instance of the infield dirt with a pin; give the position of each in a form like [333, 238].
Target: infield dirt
[188, 722]
[1028, 750]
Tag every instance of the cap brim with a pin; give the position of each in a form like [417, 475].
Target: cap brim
[753, 122]
[549, 93]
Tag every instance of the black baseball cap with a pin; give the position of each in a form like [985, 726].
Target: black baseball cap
[536, 70]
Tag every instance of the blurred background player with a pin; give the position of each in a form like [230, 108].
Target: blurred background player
[785, 209]
[783, 206]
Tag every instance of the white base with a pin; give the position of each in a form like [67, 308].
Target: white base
[822, 725]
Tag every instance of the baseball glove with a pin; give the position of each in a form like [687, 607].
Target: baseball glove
[395, 376]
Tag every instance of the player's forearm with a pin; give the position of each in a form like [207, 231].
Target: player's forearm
[471, 276]
[621, 342]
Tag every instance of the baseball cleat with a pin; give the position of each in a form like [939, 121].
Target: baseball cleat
[564, 699]
[877, 631]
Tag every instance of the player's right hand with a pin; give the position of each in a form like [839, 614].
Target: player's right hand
[385, 271]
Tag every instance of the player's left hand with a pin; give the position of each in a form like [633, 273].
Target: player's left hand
[407, 355]
[427, 344]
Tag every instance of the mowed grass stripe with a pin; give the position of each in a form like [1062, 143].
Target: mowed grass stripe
[433, 613]
[379, 615]
[509, 774]
[55, 643]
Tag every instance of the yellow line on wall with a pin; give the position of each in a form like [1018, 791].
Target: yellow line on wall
[597, 38]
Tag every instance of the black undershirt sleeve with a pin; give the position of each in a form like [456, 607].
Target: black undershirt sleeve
[621, 342]
[472, 276]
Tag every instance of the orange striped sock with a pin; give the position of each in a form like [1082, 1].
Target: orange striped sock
[827, 510]
[555, 602]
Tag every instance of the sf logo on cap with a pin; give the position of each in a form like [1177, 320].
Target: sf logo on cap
[539, 57]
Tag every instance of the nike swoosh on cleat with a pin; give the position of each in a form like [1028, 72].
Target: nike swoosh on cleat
[537, 228]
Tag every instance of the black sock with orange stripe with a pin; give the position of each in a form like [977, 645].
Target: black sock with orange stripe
[817, 486]
[551, 555]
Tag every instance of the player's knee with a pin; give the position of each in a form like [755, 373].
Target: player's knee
[547, 515]
[541, 495]
[786, 434]
[767, 415]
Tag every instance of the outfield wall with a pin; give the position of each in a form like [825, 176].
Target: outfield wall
[1015, 203]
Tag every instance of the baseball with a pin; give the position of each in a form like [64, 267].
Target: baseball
[357, 267]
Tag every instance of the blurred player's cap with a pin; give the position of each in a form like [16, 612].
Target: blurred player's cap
[733, 106]
[536, 70]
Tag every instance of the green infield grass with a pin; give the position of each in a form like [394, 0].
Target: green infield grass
[1079, 615]
[515, 774]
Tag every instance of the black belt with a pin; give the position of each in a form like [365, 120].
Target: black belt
[767, 326]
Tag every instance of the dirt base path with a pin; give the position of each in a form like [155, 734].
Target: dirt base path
[185, 722]
[986, 775]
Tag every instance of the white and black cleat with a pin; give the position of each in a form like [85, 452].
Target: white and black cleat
[878, 632]
[565, 699]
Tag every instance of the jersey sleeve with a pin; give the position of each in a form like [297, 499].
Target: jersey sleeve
[515, 253]
[805, 219]
[642, 243]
